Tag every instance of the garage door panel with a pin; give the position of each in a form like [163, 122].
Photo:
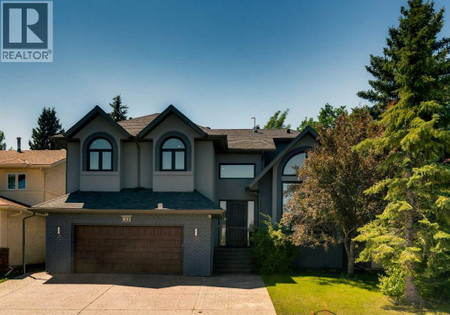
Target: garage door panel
[118, 249]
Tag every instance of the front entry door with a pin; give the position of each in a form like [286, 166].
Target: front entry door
[237, 218]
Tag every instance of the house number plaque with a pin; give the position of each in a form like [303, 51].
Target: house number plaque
[126, 218]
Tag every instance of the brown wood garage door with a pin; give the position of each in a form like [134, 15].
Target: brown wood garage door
[128, 249]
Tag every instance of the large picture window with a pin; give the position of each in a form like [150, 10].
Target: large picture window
[173, 155]
[237, 171]
[100, 155]
[294, 163]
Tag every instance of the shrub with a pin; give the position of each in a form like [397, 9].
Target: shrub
[273, 251]
[393, 285]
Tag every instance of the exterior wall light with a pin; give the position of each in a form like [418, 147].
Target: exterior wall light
[58, 230]
[195, 232]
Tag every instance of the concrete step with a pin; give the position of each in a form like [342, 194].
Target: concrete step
[234, 260]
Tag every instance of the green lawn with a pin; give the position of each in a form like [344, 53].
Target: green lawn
[313, 293]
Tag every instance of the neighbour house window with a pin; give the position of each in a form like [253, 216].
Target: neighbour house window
[100, 155]
[173, 155]
[289, 189]
[237, 171]
[291, 167]
[17, 181]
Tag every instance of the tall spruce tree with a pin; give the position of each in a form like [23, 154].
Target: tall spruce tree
[48, 125]
[384, 90]
[411, 238]
[277, 120]
[2, 143]
[119, 110]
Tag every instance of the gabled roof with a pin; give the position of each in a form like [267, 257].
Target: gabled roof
[230, 139]
[170, 110]
[307, 130]
[6, 203]
[96, 111]
[130, 199]
[32, 158]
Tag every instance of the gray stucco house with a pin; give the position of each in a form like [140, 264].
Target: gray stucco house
[161, 194]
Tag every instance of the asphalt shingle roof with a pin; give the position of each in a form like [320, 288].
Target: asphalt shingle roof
[129, 199]
[31, 157]
[6, 203]
[135, 125]
[237, 139]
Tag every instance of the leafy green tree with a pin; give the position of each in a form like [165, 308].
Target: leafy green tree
[48, 125]
[2, 143]
[384, 90]
[330, 205]
[411, 238]
[119, 110]
[277, 120]
[326, 118]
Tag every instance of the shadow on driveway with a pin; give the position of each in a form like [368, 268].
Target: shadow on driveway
[236, 281]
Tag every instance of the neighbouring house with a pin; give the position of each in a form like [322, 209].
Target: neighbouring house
[161, 194]
[27, 178]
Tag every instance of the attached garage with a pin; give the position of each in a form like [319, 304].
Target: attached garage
[128, 249]
[128, 232]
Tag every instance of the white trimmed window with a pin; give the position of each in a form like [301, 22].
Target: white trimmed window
[16, 181]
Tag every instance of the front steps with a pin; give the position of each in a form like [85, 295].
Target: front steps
[233, 260]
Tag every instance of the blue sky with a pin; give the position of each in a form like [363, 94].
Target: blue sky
[220, 62]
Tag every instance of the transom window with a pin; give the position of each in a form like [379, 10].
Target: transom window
[100, 155]
[294, 163]
[173, 155]
[16, 181]
[237, 171]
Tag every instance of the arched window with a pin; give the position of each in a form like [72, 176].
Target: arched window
[291, 167]
[173, 155]
[100, 155]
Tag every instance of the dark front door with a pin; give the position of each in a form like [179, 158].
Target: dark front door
[236, 223]
[128, 249]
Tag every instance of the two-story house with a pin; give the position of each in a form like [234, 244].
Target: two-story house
[27, 178]
[159, 193]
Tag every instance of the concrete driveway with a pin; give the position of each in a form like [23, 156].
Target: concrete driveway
[41, 293]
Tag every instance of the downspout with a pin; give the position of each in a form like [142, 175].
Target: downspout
[23, 240]
[138, 164]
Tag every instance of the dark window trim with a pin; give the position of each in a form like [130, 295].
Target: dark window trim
[254, 170]
[161, 151]
[100, 156]
[285, 164]
[279, 177]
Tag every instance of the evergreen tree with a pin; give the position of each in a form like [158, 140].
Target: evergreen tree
[326, 118]
[2, 143]
[277, 120]
[411, 238]
[48, 125]
[119, 110]
[384, 90]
